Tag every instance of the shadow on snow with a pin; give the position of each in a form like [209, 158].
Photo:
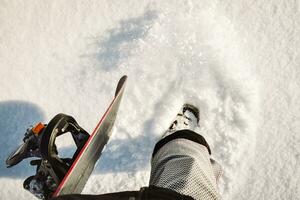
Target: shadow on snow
[113, 48]
[15, 118]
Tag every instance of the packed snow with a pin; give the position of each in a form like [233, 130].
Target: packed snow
[238, 61]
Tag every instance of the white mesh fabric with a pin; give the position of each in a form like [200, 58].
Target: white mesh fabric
[185, 167]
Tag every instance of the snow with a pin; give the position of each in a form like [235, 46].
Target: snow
[238, 61]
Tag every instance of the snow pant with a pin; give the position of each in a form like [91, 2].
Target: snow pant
[181, 168]
[145, 193]
[181, 162]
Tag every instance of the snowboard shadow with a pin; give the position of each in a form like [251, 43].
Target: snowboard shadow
[15, 118]
[126, 155]
[114, 47]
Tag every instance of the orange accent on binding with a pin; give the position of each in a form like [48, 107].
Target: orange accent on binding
[38, 127]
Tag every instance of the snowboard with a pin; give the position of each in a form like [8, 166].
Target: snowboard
[56, 175]
[81, 169]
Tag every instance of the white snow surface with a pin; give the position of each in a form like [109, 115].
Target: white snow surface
[238, 61]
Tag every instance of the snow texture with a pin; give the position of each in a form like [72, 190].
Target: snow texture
[238, 61]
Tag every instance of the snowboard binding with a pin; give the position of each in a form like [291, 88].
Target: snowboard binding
[39, 141]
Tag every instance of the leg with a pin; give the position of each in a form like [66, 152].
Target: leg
[181, 162]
